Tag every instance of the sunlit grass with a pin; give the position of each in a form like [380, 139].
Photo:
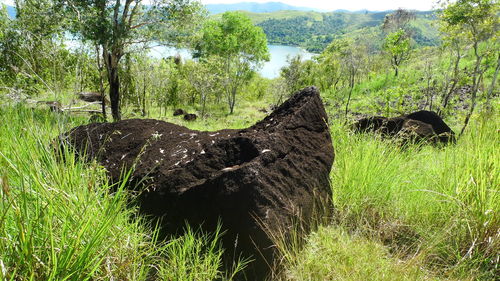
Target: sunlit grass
[59, 220]
[401, 213]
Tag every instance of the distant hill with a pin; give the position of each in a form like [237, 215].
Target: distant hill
[315, 30]
[254, 7]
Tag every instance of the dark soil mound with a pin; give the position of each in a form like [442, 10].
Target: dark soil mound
[417, 131]
[444, 132]
[179, 111]
[190, 117]
[418, 126]
[369, 124]
[269, 174]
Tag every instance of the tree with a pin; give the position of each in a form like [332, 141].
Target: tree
[349, 57]
[240, 46]
[120, 26]
[473, 22]
[397, 45]
[398, 39]
[297, 74]
[204, 78]
[32, 50]
[398, 20]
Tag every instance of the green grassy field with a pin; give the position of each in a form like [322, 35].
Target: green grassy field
[58, 220]
[418, 213]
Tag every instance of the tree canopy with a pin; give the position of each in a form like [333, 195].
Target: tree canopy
[239, 44]
[117, 26]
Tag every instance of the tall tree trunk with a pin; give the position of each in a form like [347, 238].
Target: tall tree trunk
[232, 100]
[101, 82]
[112, 59]
[351, 88]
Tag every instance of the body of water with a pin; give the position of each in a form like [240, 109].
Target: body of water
[279, 55]
[271, 69]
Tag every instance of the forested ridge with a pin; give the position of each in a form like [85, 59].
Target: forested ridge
[314, 31]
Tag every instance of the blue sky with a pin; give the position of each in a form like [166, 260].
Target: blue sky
[353, 5]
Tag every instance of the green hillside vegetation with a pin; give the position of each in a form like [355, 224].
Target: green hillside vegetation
[314, 30]
[401, 210]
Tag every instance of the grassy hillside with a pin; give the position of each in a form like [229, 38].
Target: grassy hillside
[420, 213]
[314, 30]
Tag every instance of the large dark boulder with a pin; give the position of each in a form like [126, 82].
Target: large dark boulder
[270, 174]
[418, 126]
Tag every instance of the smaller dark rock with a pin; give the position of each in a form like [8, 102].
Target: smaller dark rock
[417, 131]
[179, 111]
[190, 117]
[392, 126]
[431, 118]
[417, 126]
[91, 97]
[369, 124]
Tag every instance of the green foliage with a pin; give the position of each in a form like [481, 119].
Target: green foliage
[477, 20]
[118, 28]
[49, 229]
[314, 31]
[239, 45]
[205, 79]
[333, 254]
[297, 75]
[59, 220]
[439, 204]
[193, 257]
[397, 44]
[33, 55]
[477, 23]
[234, 35]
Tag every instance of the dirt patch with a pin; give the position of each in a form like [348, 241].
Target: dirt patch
[271, 173]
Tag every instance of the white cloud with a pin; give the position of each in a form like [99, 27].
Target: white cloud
[7, 2]
[353, 5]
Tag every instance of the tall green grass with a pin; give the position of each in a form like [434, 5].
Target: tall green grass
[416, 212]
[401, 213]
[439, 203]
[58, 220]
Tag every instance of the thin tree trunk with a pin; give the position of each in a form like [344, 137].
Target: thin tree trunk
[351, 86]
[493, 81]
[476, 79]
[111, 60]
[454, 81]
[144, 111]
[232, 101]
[101, 82]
